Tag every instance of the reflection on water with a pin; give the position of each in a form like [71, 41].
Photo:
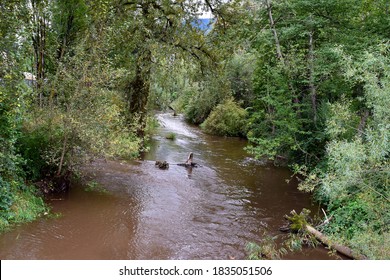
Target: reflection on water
[208, 212]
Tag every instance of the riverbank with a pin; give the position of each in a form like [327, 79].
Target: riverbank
[26, 207]
[209, 212]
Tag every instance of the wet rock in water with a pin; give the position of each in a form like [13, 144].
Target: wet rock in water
[162, 164]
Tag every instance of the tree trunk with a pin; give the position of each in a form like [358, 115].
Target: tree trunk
[66, 35]
[39, 42]
[362, 122]
[273, 29]
[279, 53]
[271, 112]
[339, 248]
[313, 92]
[62, 155]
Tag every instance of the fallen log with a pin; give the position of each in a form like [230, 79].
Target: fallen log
[338, 247]
[193, 164]
[189, 163]
[298, 222]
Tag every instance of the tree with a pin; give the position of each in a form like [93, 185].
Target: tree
[14, 193]
[354, 181]
[296, 43]
[154, 31]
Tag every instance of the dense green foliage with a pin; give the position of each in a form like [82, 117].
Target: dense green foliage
[312, 79]
[75, 82]
[322, 101]
[227, 119]
[355, 182]
[18, 202]
[305, 81]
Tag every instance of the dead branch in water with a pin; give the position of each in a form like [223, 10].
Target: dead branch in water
[189, 163]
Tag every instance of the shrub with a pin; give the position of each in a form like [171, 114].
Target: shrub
[6, 198]
[227, 119]
[28, 206]
[33, 145]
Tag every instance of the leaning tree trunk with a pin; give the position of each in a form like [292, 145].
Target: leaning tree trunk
[273, 29]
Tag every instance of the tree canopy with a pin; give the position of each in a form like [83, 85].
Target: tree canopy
[305, 81]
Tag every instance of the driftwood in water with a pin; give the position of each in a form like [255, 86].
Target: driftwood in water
[190, 158]
[298, 222]
[189, 162]
[162, 164]
[193, 164]
[174, 111]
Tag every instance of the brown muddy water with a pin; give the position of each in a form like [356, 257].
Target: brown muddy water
[209, 212]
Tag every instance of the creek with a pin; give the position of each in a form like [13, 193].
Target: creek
[208, 212]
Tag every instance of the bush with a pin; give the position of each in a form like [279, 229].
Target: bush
[28, 206]
[18, 203]
[227, 119]
[6, 198]
[33, 144]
